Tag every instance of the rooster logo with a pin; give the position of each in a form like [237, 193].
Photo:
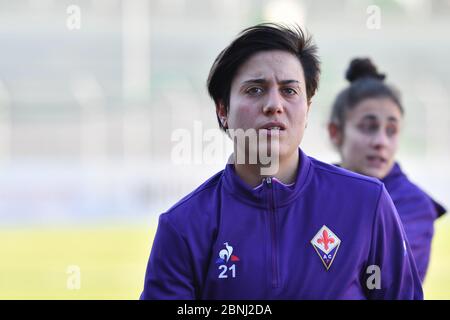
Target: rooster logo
[226, 254]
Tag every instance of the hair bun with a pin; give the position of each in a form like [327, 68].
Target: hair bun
[363, 68]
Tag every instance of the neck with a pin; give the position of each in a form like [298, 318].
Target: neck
[287, 171]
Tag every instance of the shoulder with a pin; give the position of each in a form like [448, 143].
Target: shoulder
[196, 205]
[347, 189]
[398, 182]
[343, 176]
[408, 195]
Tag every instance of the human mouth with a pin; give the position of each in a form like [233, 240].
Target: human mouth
[273, 127]
[272, 131]
[376, 161]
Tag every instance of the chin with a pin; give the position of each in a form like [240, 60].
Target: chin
[287, 150]
[377, 173]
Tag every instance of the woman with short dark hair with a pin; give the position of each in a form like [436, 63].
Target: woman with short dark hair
[302, 229]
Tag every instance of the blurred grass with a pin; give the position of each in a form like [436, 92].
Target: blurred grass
[437, 281]
[34, 262]
[112, 262]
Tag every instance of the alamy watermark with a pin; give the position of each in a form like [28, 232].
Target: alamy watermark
[74, 17]
[74, 277]
[374, 279]
[251, 146]
[373, 21]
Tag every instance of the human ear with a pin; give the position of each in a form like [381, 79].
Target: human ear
[307, 113]
[221, 112]
[335, 133]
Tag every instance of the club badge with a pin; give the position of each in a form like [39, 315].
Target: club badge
[326, 244]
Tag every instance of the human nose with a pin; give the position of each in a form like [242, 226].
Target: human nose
[380, 139]
[273, 103]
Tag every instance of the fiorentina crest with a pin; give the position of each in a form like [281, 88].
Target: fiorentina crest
[326, 244]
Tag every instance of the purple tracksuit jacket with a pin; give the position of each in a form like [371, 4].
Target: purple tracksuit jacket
[417, 211]
[333, 234]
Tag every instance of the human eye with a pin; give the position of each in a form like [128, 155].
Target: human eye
[289, 91]
[391, 130]
[368, 126]
[254, 91]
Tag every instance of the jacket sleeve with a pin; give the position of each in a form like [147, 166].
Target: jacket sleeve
[390, 256]
[169, 274]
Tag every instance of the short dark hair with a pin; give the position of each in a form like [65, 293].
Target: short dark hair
[365, 82]
[262, 37]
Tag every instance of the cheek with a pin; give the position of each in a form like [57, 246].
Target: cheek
[353, 146]
[240, 115]
[392, 150]
[394, 145]
[298, 115]
[246, 117]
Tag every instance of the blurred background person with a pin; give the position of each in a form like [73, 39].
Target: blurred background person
[365, 124]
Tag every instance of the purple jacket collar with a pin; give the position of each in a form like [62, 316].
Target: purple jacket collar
[396, 175]
[284, 194]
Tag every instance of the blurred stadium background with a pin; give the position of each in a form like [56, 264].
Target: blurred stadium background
[87, 115]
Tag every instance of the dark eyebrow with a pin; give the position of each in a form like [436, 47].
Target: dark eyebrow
[289, 81]
[369, 117]
[373, 117]
[263, 81]
[393, 119]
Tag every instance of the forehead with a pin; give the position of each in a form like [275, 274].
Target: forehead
[277, 64]
[379, 108]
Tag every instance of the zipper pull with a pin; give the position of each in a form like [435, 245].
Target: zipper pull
[269, 182]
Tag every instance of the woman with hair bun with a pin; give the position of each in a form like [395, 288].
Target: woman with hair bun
[364, 126]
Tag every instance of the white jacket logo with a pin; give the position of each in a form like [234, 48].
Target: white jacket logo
[225, 255]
